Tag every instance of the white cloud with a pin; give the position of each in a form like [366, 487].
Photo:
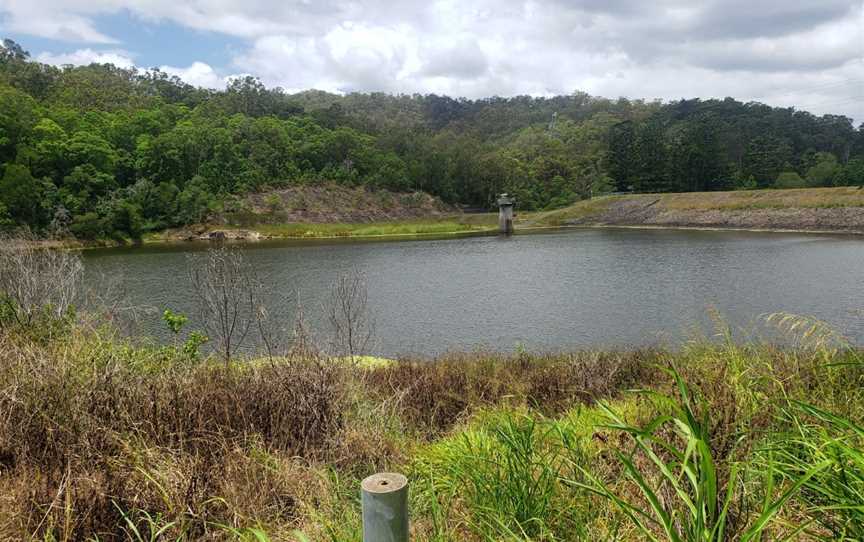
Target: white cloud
[83, 57]
[290, 62]
[769, 50]
[462, 57]
[198, 74]
[51, 19]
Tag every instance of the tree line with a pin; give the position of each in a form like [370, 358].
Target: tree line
[100, 151]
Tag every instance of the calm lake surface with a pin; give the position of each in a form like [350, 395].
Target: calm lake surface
[555, 291]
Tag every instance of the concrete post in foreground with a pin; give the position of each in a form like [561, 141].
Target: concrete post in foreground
[505, 214]
[384, 498]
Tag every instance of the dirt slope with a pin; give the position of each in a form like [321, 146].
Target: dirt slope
[328, 204]
[814, 209]
[316, 211]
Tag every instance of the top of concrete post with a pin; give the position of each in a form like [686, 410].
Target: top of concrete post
[384, 482]
[505, 200]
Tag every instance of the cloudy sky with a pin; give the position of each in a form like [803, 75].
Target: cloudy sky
[807, 53]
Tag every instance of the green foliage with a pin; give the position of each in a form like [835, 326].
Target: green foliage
[282, 445]
[192, 346]
[41, 326]
[697, 506]
[703, 145]
[8, 311]
[273, 202]
[852, 174]
[506, 471]
[27, 200]
[88, 226]
[836, 493]
[194, 202]
[124, 218]
[124, 153]
[18, 115]
[748, 183]
[46, 152]
[83, 188]
[85, 147]
[823, 171]
[252, 534]
[141, 526]
[174, 320]
[764, 159]
[6, 221]
[789, 179]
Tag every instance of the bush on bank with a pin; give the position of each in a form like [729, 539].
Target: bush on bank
[103, 439]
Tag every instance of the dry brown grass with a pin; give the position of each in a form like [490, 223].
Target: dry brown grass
[845, 196]
[581, 209]
[437, 394]
[798, 198]
[84, 433]
[92, 429]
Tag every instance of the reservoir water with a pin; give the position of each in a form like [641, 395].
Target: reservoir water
[579, 289]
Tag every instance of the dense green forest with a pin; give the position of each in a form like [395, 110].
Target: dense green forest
[100, 151]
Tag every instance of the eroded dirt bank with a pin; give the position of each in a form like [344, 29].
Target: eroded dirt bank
[830, 209]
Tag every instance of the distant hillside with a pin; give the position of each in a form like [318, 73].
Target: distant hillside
[101, 152]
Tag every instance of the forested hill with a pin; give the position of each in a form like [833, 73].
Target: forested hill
[101, 151]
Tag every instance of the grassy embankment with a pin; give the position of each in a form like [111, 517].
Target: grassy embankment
[340, 212]
[333, 211]
[330, 212]
[457, 225]
[805, 209]
[454, 226]
[100, 439]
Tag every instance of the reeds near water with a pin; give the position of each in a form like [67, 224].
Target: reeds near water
[104, 440]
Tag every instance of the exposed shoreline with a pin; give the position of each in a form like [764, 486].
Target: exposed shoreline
[524, 230]
[821, 211]
[691, 228]
[813, 210]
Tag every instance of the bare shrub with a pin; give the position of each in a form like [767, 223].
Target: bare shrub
[226, 291]
[107, 303]
[302, 343]
[230, 297]
[36, 281]
[84, 429]
[347, 314]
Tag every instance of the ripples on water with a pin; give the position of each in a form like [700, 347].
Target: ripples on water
[556, 291]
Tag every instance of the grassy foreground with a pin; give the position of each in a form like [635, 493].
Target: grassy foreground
[103, 440]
